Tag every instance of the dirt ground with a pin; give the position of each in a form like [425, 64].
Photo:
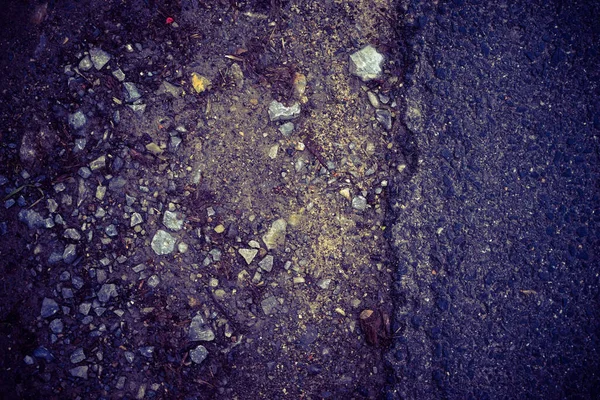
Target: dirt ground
[88, 309]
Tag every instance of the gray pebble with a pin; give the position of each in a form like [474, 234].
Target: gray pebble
[287, 128]
[77, 120]
[56, 326]
[32, 218]
[131, 92]
[77, 356]
[200, 331]
[55, 256]
[71, 233]
[136, 219]
[85, 64]
[172, 221]
[49, 307]
[99, 57]
[107, 291]
[147, 351]
[198, 354]
[80, 371]
[84, 172]
[385, 118]
[366, 63]
[70, 253]
[266, 264]
[153, 281]
[275, 236]
[269, 305]
[279, 112]
[84, 308]
[163, 242]
[129, 356]
[359, 203]
[98, 163]
[117, 183]
[111, 230]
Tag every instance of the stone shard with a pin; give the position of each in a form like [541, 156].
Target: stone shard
[275, 236]
[49, 308]
[279, 112]
[173, 221]
[248, 254]
[198, 354]
[366, 63]
[107, 291]
[200, 331]
[163, 242]
[99, 57]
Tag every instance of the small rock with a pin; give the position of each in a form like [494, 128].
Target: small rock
[136, 219]
[107, 291]
[49, 307]
[111, 230]
[56, 326]
[373, 99]
[70, 253]
[77, 120]
[366, 63]
[200, 331]
[266, 264]
[173, 221]
[324, 283]
[153, 281]
[85, 64]
[77, 356]
[275, 236]
[32, 218]
[117, 183]
[198, 354]
[84, 172]
[131, 92]
[147, 351]
[279, 112]
[98, 163]
[273, 151]
[200, 83]
[43, 353]
[287, 128]
[299, 83]
[237, 74]
[119, 74]
[385, 118]
[269, 305]
[345, 192]
[248, 254]
[80, 371]
[359, 203]
[99, 57]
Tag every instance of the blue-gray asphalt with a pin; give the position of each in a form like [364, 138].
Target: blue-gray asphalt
[494, 215]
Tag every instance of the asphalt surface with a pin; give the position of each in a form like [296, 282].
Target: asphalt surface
[495, 214]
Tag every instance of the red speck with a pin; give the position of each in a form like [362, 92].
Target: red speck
[170, 20]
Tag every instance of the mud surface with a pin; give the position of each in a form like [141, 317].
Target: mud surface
[142, 243]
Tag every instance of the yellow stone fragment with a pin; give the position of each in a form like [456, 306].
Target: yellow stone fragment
[154, 148]
[219, 228]
[200, 83]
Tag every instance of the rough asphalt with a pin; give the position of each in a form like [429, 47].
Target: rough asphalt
[495, 216]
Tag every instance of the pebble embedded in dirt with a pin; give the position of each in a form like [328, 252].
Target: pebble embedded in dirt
[163, 242]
